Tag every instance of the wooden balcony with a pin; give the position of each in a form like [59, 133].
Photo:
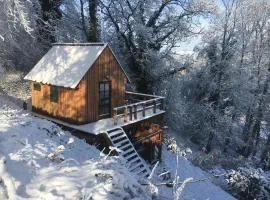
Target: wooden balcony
[137, 107]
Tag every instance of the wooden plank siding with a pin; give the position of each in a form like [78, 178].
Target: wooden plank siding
[81, 105]
[70, 106]
[106, 68]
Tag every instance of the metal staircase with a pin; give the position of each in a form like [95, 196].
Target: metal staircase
[135, 163]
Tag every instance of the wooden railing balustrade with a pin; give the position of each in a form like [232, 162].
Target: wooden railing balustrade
[137, 104]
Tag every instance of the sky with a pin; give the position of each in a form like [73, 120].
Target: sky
[186, 47]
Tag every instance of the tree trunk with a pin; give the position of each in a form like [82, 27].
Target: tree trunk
[50, 12]
[209, 141]
[248, 122]
[93, 33]
[83, 18]
[265, 157]
[254, 125]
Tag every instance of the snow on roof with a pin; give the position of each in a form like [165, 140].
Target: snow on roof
[65, 64]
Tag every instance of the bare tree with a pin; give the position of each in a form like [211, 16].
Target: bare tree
[50, 11]
[260, 61]
[93, 34]
[18, 21]
[148, 30]
[222, 99]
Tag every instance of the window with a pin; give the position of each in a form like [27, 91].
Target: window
[54, 94]
[104, 99]
[37, 86]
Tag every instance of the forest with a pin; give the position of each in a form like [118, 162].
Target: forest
[217, 97]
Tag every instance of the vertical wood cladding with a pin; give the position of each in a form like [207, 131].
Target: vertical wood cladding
[81, 105]
[70, 106]
[106, 68]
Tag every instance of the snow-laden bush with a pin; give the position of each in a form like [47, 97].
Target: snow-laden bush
[249, 183]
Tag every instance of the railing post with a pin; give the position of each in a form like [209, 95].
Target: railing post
[125, 115]
[130, 113]
[143, 111]
[135, 112]
[115, 116]
[154, 106]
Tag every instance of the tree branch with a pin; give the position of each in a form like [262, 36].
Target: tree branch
[152, 20]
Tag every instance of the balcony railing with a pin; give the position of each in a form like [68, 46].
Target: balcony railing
[138, 106]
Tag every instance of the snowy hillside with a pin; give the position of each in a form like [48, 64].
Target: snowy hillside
[200, 188]
[38, 160]
[210, 61]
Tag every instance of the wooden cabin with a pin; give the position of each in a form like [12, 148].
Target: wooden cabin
[83, 86]
[78, 83]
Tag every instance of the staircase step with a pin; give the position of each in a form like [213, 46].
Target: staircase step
[136, 166]
[131, 156]
[115, 133]
[134, 161]
[144, 174]
[119, 138]
[112, 130]
[121, 143]
[126, 153]
[139, 169]
[126, 147]
[143, 171]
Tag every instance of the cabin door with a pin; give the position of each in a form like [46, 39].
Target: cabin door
[104, 100]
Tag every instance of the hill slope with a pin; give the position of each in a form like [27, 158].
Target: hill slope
[38, 160]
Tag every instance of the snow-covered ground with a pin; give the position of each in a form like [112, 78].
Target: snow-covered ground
[200, 188]
[38, 160]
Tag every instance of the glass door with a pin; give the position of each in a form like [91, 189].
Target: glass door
[104, 99]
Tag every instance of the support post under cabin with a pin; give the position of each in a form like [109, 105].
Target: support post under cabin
[135, 112]
[130, 113]
[143, 111]
[125, 115]
[115, 116]
[154, 106]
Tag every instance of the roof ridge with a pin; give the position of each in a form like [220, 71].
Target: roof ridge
[81, 44]
[65, 68]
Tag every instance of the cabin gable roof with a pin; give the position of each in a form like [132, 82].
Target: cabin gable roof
[66, 64]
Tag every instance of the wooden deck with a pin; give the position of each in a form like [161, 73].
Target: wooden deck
[138, 107]
[103, 125]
